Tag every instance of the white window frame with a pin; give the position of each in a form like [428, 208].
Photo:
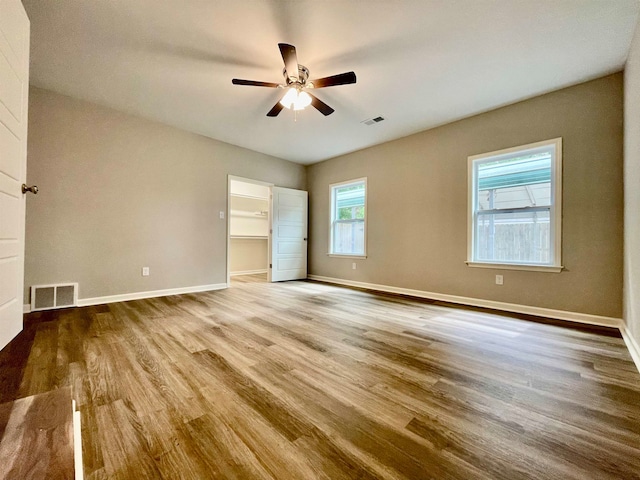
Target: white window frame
[332, 212]
[555, 211]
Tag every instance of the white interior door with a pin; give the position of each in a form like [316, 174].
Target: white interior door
[14, 90]
[288, 234]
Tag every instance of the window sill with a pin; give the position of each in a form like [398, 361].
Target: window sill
[345, 255]
[511, 266]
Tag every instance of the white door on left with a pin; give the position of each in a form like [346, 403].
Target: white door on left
[14, 91]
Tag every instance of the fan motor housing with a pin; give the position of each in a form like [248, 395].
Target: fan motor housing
[303, 75]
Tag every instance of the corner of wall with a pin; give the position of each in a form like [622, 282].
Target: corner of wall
[631, 269]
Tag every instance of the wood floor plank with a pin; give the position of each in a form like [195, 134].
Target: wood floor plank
[263, 434]
[122, 437]
[38, 439]
[13, 361]
[390, 446]
[222, 451]
[304, 380]
[93, 461]
[40, 371]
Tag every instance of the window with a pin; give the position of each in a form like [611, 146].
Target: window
[515, 207]
[348, 231]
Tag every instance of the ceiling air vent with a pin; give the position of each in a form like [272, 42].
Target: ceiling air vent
[372, 121]
[47, 297]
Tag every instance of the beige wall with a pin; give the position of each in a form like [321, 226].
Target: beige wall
[632, 189]
[248, 254]
[417, 203]
[118, 192]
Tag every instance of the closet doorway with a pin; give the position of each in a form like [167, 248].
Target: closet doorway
[249, 223]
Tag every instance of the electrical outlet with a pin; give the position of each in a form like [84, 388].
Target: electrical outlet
[221, 214]
[145, 271]
[353, 265]
[499, 280]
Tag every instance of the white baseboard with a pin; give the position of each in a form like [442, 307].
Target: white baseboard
[478, 302]
[632, 345]
[26, 308]
[125, 297]
[248, 272]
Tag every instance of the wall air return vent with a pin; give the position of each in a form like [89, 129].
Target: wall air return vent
[48, 297]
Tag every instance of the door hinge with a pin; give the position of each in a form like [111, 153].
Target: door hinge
[270, 266]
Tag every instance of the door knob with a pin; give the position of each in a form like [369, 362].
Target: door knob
[33, 189]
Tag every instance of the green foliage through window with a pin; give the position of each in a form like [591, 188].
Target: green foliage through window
[350, 213]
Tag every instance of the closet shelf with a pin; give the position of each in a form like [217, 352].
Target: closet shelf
[249, 237]
[254, 214]
[254, 197]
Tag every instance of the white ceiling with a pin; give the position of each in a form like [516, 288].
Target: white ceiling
[419, 63]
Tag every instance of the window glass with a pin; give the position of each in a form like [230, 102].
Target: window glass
[348, 205]
[522, 237]
[515, 207]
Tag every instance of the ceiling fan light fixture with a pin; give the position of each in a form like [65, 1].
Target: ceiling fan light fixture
[296, 100]
[303, 101]
[289, 98]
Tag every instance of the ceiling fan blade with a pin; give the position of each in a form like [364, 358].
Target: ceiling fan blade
[340, 79]
[290, 58]
[254, 83]
[319, 105]
[275, 111]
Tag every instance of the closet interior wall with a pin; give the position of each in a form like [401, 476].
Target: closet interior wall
[249, 228]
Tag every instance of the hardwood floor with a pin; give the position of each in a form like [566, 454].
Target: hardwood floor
[37, 438]
[302, 380]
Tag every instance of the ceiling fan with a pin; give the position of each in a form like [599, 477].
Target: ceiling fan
[297, 84]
